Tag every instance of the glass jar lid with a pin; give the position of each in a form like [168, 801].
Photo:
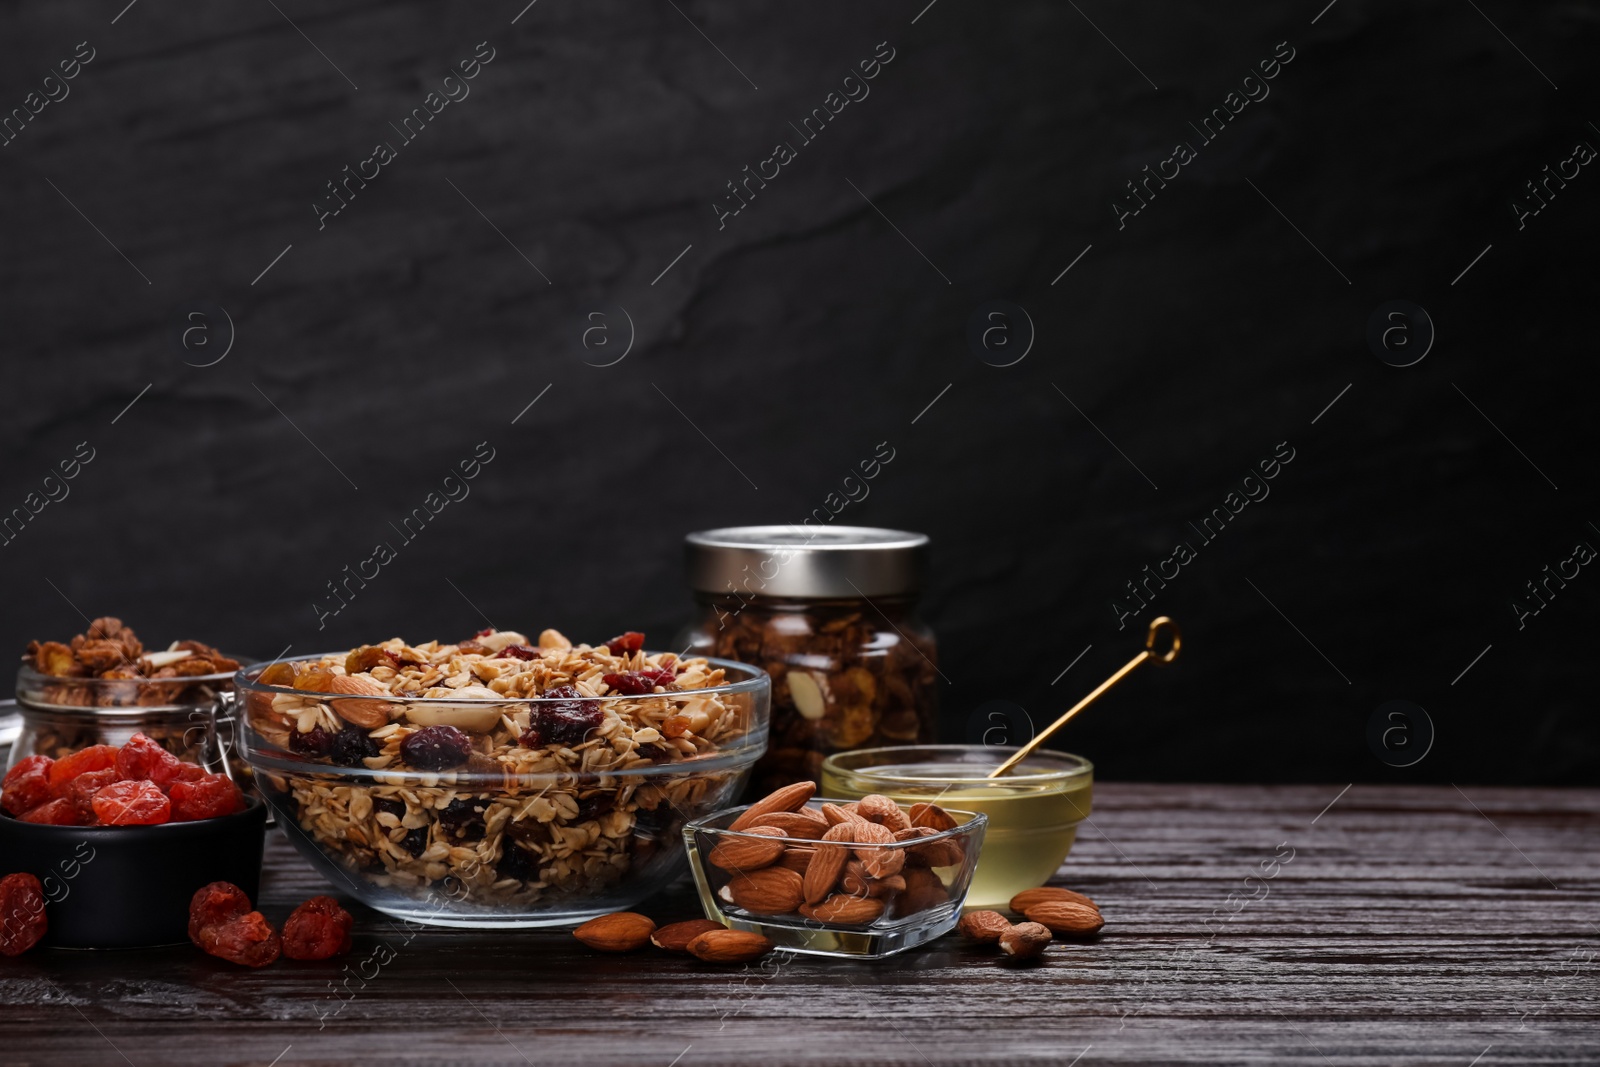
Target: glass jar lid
[793, 561]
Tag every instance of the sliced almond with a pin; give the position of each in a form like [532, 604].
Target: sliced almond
[806, 695]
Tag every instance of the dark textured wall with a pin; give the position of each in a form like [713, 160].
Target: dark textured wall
[1174, 356]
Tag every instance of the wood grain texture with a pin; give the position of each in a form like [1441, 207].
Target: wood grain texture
[1410, 926]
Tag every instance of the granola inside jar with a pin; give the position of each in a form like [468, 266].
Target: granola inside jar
[831, 616]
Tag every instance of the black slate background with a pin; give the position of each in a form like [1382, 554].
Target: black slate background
[809, 330]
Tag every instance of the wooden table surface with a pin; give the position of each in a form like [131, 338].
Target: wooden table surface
[1401, 926]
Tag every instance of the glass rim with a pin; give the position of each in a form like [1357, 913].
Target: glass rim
[755, 680]
[1071, 766]
[25, 671]
[976, 820]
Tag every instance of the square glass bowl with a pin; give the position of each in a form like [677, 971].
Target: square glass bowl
[888, 896]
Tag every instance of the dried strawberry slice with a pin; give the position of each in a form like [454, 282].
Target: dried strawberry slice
[215, 903]
[22, 918]
[132, 804]
[27, 785]
[142, 758]
[93, 758]
[631, 641]
[208, 797]
[248, 939]
[58, 812]
[319, 929]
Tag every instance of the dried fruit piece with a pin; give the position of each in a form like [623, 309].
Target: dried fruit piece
[844, 910]
[1024, 941]
[789, 798]
[58, 812]
[215, 903]
[313, 742]
[81, 791]
[93, 758]
[279, 674]
[22, 917]
[319, 929]
[363, 659]
[248, 939]
[769, 891]
[1066, 917]
[984, 927]
[1029, 897]
[631, 641]
[741, 853]
[27, 785]
[209, 797]
[621, 931]
[142, 758]
[637, 683]
[729, 946]
[132, 803]
[675, 937]
[436, 748]
[523, 652]
[352, 745]
[566, 721]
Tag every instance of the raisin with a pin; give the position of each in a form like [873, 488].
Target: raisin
[595, 806]
[518, 652]
[416, 841]
[22, 918]
[565, 721]
[637, 683]
[631, 641]
[462, 820]
[436, 748]
[314, 680]
[81, 791]
[248, 939]
[313, 742]
[352, 745]
[58, 812]
[133, 803]
[319, 929]
[675, 726]
[93, 758]
[215, 903]
[518, 863]
[389, 806]
[26, 786]
[210, 797]
[367, 657]
[278, 674]
[143, 758]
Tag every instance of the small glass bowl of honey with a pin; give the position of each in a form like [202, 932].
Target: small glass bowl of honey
[1033, 811]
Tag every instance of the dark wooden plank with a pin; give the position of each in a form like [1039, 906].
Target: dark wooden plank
[1410, 927]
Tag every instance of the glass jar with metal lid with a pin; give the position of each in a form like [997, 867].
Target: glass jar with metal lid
[831, 615]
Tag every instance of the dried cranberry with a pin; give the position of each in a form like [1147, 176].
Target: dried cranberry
[132, 803]
[485, 632]
[27, 785]
[352, 745]
[389, 806]
[145, 759]
[93, 758]
[248, 939]
[81, 791]
[595, 806]
[22, 918]
[637, 683]
[631, 641]
[517, 862]
[416, 841]
[313, 742]
[58, 812]
[211, 797]
[566, 720]
[518, 652]
[436, 748]
[319, 929]
[462, 820]
[215, 903]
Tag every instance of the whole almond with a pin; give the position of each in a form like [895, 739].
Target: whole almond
[1025, 941]
[797, 824]
[984, 927]
[1066, 917]
[844, 910]
[883, 811]
[827, 864]
[675, 937]
[1029, 897]
[796, 858]
[621, 931]
[924, 890]
[932, 815]
[880, 862]
[729, 946]
[945, 852]
[737, 853]
[770, 891]
[367, 714]
[858, 883]
[789, 798]
[835, 815]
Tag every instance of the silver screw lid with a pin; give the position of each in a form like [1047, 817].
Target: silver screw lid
[795, 561]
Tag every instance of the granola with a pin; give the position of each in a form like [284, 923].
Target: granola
[111, 652]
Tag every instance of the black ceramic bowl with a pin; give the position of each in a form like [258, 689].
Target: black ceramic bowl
[130, 886]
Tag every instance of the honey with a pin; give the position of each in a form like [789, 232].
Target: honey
[1033, 812]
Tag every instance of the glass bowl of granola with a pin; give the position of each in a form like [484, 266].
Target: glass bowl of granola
[500, 781]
